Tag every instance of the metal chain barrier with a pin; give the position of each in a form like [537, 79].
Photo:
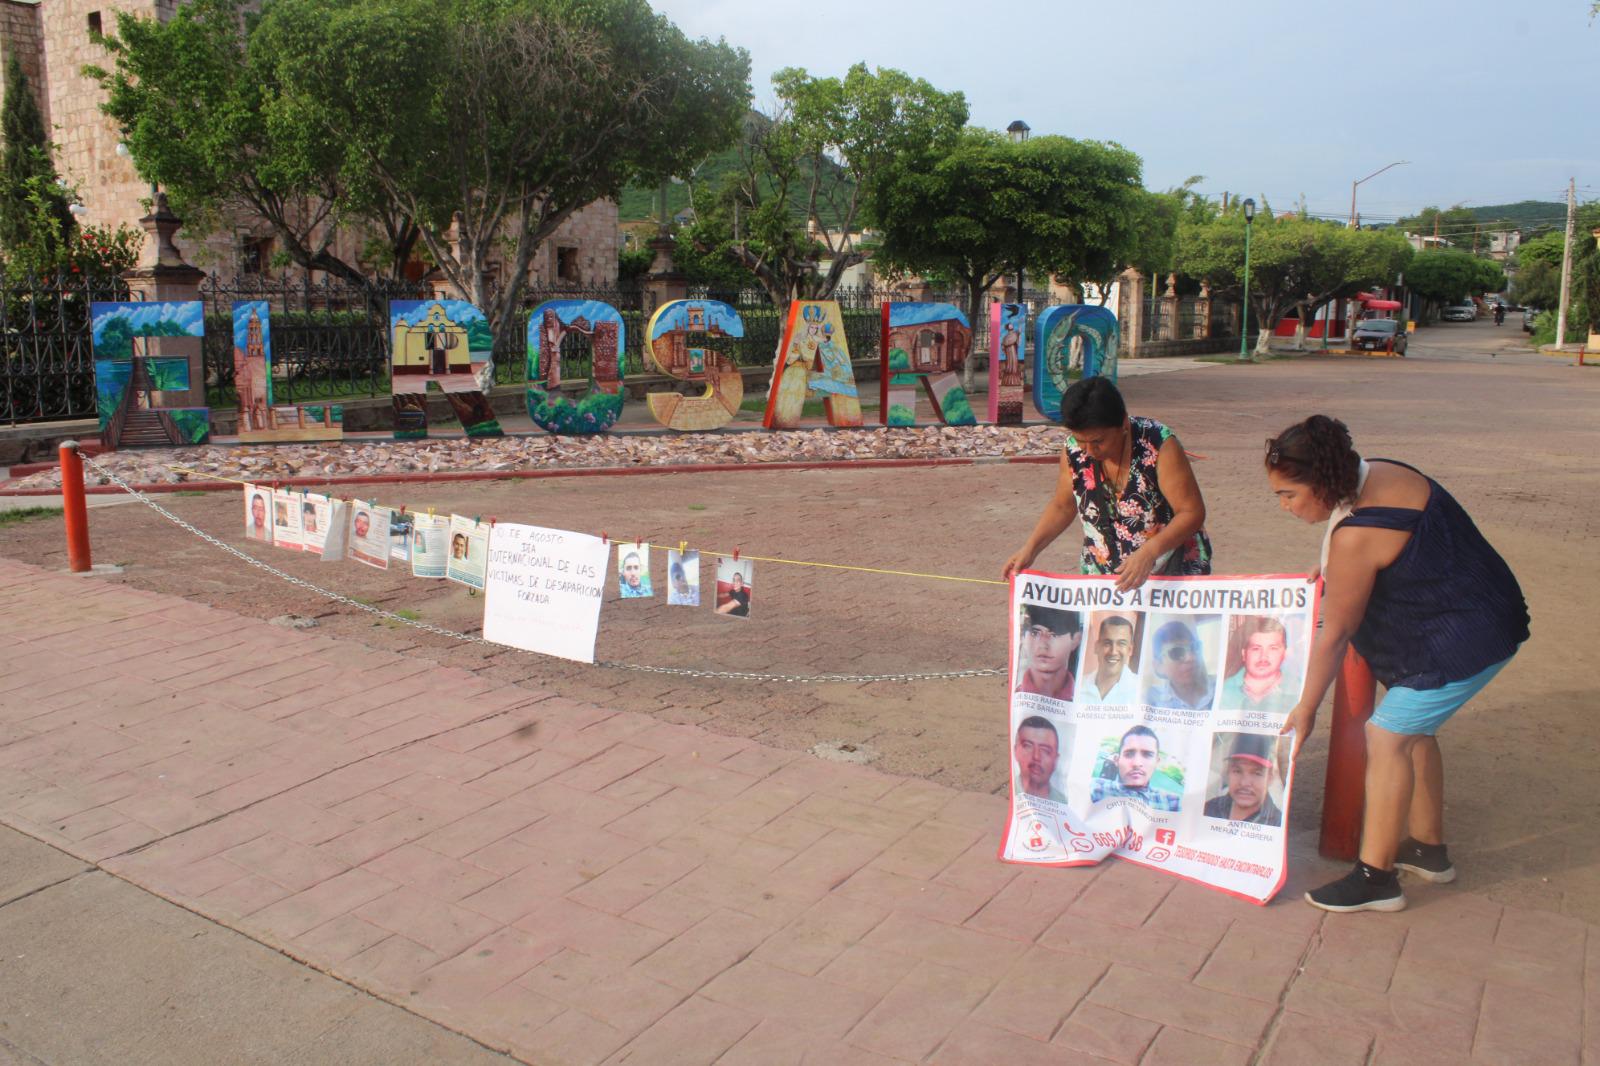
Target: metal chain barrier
[467, 638]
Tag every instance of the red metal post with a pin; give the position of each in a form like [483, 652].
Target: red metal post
[74, 510]
[1344, 794]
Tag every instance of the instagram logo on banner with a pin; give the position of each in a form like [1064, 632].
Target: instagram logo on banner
[1165, 836]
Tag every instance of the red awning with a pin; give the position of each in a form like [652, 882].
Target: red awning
[1382, 305]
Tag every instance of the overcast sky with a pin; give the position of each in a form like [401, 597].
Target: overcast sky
[1491, 101]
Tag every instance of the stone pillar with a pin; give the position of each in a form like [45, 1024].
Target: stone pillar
[443, 288]
[1131, 313]
[1169, 310]
[1202, 310]
[162, 274]
[665, 282]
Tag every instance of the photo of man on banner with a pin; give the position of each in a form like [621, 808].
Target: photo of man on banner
[1134, 770]
[1242, 789]
[1039, 745]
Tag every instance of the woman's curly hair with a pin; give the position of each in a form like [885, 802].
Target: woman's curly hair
[1318, 453]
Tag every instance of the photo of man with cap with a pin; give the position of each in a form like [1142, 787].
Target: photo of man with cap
[1248, 776]
[1050, 639]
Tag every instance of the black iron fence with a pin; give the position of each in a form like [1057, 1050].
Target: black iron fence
[46, 352]
[330, 339]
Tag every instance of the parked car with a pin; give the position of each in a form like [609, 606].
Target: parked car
[1380, 334]
[1466, 311]
[1528, 315]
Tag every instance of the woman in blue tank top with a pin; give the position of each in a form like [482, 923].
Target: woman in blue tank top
[1412, 584]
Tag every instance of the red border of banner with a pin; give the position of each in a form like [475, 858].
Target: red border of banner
[1011, 783]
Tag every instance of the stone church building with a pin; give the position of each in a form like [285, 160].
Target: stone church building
[54, 40]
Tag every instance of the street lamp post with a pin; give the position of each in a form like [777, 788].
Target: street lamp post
[1244, 308]
[1369, 177]
[1016, 133]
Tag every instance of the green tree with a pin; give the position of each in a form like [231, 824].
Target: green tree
[1342, 262]
[1455, 226]
[1538, 285]
[489, 122]
[1296, 262]
[204, 115]
[806, 175]
[988, 207]
[36, 227]
[1444, 275]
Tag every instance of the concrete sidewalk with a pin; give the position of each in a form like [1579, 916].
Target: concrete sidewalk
[576, 885]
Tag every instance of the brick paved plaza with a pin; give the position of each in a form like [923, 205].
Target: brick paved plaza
[578, 866]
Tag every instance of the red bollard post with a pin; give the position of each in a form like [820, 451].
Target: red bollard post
[1344, 794]
[73, 508]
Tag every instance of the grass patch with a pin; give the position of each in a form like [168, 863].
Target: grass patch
[402, 612]
[190, 492]
[697, 507]
[27, 514]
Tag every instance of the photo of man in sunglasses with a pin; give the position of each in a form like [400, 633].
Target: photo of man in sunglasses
[1178, 667]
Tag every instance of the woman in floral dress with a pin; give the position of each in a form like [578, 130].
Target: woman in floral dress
[1130, 482]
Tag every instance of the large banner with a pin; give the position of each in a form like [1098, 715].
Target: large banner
[1144, 724]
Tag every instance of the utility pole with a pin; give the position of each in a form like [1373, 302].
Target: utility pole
[1566, 263]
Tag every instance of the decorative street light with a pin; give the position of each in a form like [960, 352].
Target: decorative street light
[1017, 132]
[1244, 311]
[1369, 177]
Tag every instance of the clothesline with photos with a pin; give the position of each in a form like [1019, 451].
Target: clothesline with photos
[459, 548]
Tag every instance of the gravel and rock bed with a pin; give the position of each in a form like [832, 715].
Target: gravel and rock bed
[358, 458]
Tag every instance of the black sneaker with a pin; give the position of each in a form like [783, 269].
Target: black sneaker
[1431, 862]
[1362, 889]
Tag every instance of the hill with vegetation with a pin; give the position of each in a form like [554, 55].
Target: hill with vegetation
[639, 203]
[1524, 214]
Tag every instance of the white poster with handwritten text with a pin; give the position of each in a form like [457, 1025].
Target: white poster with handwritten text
[543, 590]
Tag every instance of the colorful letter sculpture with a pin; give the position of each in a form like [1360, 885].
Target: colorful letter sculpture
[669, 343]
[814, 359]
[1008, 325]
[1097, 334]
[147, 370]
[601, 406]
[448, 343]
[925, 343]
[260, 419]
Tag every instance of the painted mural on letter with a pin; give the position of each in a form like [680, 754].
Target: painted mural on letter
[677, 341]
[813, 361]
[1072, 341]
[926, 344]
[148, 373]
[261, 418]
[602, 328]
[446, 343]
[1008, 324]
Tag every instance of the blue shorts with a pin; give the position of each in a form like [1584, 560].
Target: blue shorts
[1421, 711]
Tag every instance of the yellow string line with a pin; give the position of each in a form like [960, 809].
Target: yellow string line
[706, 551]
[213, 477]
[858, 569]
